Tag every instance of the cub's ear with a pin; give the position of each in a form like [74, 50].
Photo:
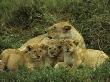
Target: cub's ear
[67, 28]
[29, 48]
[43, 46]
[76, 43]
[59, 47]
[62, 42]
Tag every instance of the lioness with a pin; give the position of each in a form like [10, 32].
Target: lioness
[64, 30]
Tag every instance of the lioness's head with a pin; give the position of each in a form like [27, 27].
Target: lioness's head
[60, 30]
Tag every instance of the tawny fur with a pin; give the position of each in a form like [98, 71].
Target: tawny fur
[34, 41]
[75, 56]
[54, 51]
[12, 58]
[40, 52]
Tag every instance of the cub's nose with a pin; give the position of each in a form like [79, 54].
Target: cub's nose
[52, 52]
[67, 50]
[38, 57]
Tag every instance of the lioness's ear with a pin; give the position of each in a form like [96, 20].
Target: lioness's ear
[67, 28]
[29, 48]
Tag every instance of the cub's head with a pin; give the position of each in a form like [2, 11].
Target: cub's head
[69, 45]
[54, 48]
[59, 30]
[38, 55]
[37, 52]
[54, 51]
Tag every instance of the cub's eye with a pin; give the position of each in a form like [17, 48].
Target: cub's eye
[68, 49]
[67, 28]
[34, 51]
[70, 44]
[50, 37]
[59, 47]
[40, 50]
[49, 48]
[52, 52]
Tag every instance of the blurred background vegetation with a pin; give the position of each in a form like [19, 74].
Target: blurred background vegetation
[21, 20]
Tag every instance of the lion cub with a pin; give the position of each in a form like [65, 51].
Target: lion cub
[74, 56]
[12, 58]
[54, 51]
[41, 54]
[64, 30]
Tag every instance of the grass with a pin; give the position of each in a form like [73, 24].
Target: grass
[49, 74]
[21, 20]
[91, 18]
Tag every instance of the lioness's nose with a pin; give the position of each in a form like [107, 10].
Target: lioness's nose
[45, 31]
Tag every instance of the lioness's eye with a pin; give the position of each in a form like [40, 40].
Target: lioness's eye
[50, 37]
